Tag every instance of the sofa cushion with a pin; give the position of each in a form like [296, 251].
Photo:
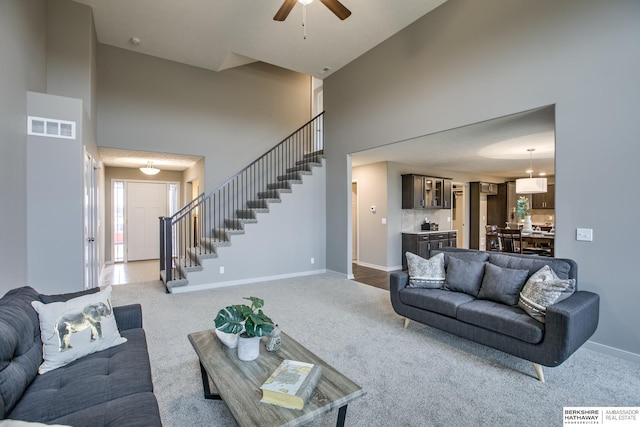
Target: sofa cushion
[92, 380]
[463, 254]
[140, 409]
[502, 284]
[503, 319]
[20, 346]
[425, 273]
[436, 300]
[543, 289]
[531, 263]
[464, 276]
[75, 328]
[46, 299]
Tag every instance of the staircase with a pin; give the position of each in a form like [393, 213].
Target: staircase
[195, 232]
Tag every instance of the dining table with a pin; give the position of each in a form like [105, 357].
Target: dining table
[541, 239]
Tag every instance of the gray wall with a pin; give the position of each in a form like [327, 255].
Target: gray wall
[22, 68]
[55, 184]
[230, 117]
[470, 61]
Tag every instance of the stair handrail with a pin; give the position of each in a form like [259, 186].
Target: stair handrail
[179, 237]
[180, 214]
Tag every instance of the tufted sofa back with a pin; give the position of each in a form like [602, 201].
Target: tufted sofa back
[20, 346]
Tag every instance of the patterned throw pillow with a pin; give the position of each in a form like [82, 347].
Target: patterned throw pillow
[543, 289]
[426, 273]
[76, 328]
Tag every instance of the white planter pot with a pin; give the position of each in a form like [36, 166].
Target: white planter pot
[230, 340]
[248, 348]
[527, 228]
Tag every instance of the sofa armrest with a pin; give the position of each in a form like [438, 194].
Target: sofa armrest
[128, 316]
[570, 323]
[398, 281]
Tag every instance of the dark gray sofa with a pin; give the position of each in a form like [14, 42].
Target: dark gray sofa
[108, 388]
[569, 323]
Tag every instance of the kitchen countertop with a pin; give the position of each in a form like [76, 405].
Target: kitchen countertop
[427, 231]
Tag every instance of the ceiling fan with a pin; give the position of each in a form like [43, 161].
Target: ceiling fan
[333, 5]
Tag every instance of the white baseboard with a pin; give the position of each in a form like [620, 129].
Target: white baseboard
[379, 267]
[191, 288]
[612, 351]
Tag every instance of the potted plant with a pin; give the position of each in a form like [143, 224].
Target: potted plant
[522, 206]
[249, 323]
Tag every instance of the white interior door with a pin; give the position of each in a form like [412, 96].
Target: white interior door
[146, 202]
[91, 259]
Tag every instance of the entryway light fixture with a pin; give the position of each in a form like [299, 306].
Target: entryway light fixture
[149, 169]
[531, 185]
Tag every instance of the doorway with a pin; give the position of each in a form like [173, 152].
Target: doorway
[458, 213]
[91, 258]
[354, 222]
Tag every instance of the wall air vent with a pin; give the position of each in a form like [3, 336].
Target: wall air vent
[51, 128]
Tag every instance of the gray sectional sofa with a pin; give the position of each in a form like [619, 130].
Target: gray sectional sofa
[112, 387]
[506, 327]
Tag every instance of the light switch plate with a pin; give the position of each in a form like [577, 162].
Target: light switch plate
[584, 234]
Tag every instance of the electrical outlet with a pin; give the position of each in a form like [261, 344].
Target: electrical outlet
[313, 260]
[221, 270]
[584, 234]
[384, 221]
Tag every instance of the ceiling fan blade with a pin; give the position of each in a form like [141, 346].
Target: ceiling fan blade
[284, 10]
[337, 8]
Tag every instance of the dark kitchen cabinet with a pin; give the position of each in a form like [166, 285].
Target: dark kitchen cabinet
[423, 244]
[420, 192]
[544, 200]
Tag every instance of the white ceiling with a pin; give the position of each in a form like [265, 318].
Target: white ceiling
[116, 157]
[220, 34]
[496, 147]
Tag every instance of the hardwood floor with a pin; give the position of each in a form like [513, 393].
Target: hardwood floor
[371, 276]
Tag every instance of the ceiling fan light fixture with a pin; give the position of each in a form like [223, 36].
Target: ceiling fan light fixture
[149, 169]
[305, 2]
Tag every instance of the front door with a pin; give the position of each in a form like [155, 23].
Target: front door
[146, 202]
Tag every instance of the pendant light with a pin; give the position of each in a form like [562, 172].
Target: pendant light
[531, 185]
[149, 169]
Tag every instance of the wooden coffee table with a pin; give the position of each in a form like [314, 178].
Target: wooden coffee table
[238, 383]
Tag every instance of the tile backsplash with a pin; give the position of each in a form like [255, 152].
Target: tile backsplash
[412, 219]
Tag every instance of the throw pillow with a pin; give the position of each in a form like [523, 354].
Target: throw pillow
[543, 289]
[502, 284]
[464, 276]
[426, 273]
[76, 328]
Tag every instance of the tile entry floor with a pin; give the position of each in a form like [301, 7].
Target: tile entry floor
[122, 273]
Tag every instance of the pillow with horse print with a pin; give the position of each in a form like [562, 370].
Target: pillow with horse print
[76, 328]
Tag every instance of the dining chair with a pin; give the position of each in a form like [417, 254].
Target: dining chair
[491, 238]
[510, 240]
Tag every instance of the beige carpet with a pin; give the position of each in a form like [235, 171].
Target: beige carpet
[414, 377]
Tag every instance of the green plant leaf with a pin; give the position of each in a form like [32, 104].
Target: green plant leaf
[255, 302]
[230, 319]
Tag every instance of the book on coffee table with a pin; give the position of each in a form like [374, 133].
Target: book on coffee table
[291, 384]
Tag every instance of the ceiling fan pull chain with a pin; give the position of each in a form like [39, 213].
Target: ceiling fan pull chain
[304, 21]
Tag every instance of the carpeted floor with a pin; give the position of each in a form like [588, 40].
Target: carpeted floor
[417, 376]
